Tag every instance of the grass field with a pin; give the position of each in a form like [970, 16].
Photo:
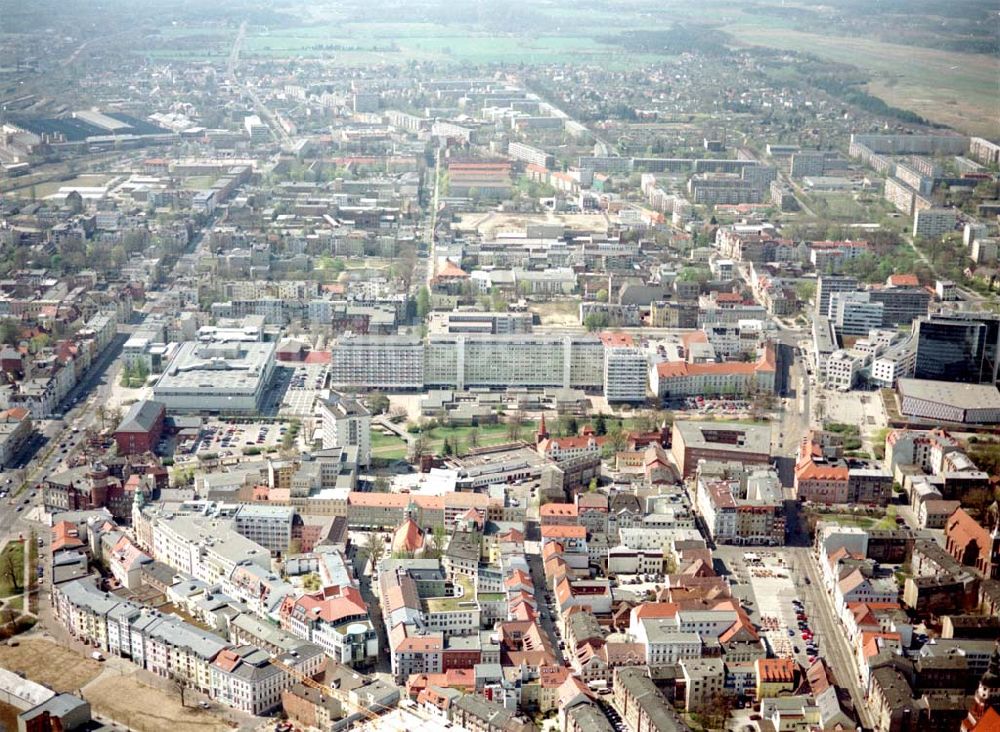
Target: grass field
[365, 43]
[956, 89]
[390, 447]
[47, 663]
[148, 709]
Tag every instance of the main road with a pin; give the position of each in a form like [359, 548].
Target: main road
[835, 648]
[61, 438]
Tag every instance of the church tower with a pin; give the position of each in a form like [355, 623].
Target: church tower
[988, 693]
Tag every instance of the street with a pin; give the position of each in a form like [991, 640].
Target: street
[828, 630]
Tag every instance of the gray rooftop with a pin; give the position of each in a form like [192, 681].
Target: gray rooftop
[963, 396]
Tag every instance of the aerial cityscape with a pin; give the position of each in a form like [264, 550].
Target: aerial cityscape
[500, 366]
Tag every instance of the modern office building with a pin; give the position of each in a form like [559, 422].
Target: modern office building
[960, 346]
[826, 285]
[854, 313]
[216, 378]
[949, 402]
[692, 441]
[902, 305]
[269, 526]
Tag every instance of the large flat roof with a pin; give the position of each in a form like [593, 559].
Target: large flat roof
[963, 396]
[736, 436]
[217, 366]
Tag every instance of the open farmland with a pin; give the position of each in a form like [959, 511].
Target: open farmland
[955, 89]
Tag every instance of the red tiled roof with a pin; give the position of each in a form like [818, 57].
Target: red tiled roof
[617, 340]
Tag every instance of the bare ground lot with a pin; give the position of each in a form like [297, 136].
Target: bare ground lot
[49, 664]
[489, 223]
[148, 709]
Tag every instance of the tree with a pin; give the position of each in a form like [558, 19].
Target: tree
[12, 568]
[515, 423]
[602, 295]
[423, 302]
[418, 448]
[446, 448]
[376, 550]
[601, 425]
[378, 402]
[10, 331]
[434, 546]
[616, 442]
[596, 321]
[8, 617]
[592, 488]
[180, 686]
[473, 437]
[568, 425]
[381, 485]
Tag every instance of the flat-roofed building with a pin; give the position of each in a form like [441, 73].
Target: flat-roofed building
[949, 402]
[693, 441]
[392, 363]
[220, 378]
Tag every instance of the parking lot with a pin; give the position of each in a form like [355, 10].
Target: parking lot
[226, 438]
[717, 407]
[767, 587]
[294, 391]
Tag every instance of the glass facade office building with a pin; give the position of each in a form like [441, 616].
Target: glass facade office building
[958, 347]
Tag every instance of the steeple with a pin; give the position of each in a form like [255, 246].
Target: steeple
[988, 693]
[543, 433]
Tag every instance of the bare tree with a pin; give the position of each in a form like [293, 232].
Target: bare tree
[10, 570]
[473, 437]
[376, 550]
[180, 686]
[515, 424]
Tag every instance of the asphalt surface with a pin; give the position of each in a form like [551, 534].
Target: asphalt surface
[828, 631]
[58, 439]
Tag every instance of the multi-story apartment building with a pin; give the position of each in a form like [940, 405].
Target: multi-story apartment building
[339, 623]
[173, 649]
[625, 374]
[934, 223]
[984, 151]
[266, 525]
[531, 360]
[528, 154]
[378, 362]
[346, 422]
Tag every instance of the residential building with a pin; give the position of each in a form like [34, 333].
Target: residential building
[346, 421]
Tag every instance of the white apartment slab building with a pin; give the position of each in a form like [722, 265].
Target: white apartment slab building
[346, 422]
[625, 374]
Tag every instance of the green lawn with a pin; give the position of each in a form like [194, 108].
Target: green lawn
[387, 447]
[449, 604]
